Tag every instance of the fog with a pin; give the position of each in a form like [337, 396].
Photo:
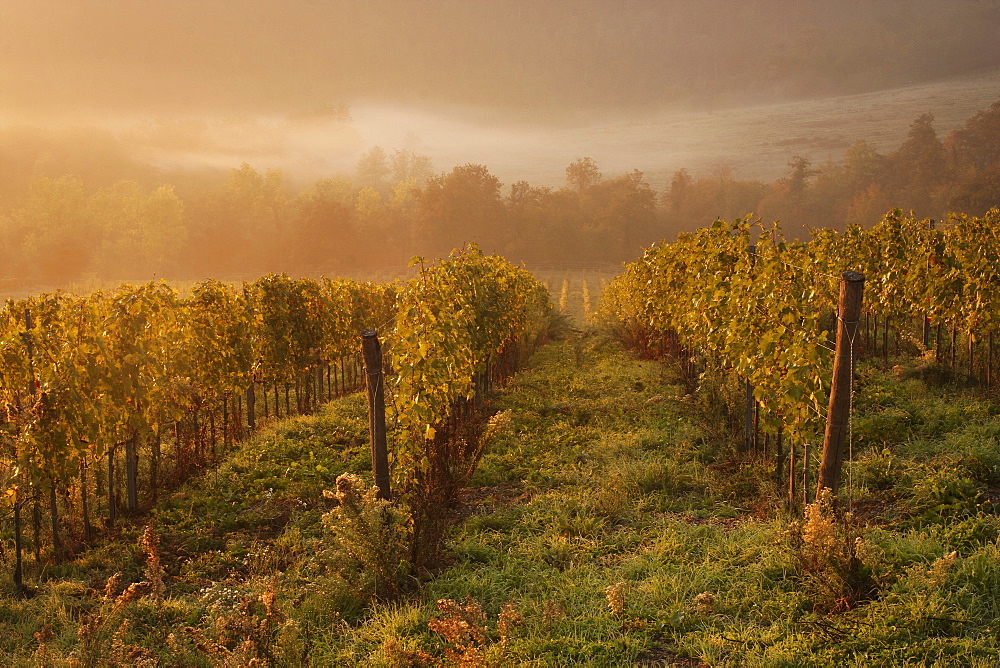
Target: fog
[519, 85]
[553, 60]
[755, 141]
[184, 92]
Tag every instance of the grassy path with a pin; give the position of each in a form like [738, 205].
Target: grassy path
[595, 520]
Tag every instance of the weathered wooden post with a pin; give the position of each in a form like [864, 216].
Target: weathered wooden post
[132, 473]
[252, 407]
[925, 330]
[792, 475]
[111, 486]
[251, 394]
[805, 472]
[839, 413]
[372, 352]
[18, 546]
[749, 421]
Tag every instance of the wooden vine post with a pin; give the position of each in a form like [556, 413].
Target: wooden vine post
[18, 503]
[372, 351]
[925, 329]
[111, 485]
[132, 472]
[251, 394]
[18, 546]
[839, 413]
[750, 417]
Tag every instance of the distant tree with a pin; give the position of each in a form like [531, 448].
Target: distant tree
[325, 228]
[570, 228]
[164, 231]
[680, 185]
[54, 230]
[369, 208]
[827, 198]
[521, 196]
[263, 209]
[582, 174]
[919, 167]
[400, 211]
[461, 206]
[404, 197]
[720, 184]
[722, 172]
[798, 178]
[373, 168]
[142, 234]
[621, 216]
[241, 227]
[863, 165]
[977, 194]
[868, 206]
[974, 152]
[977, 144]
[536, 233]
[407, 165]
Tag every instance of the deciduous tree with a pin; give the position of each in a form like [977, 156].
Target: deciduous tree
[582, 174]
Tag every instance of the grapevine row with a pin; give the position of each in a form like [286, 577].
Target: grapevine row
[462, 323]
[89, 383]
[946, 274]
[762, 308]
[84, 378]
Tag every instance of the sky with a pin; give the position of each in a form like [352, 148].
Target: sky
[272, 78]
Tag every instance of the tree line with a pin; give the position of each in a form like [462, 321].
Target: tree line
[394, 206]
[928, 175]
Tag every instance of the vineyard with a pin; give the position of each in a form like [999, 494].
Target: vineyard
[186, 480]
[112, 399]
[95, 386]
[736, 299]
[576, 291]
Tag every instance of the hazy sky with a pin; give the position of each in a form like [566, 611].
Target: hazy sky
[219, 82]
[524, 56]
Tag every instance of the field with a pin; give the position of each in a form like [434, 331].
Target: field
[530, 339]
[576, 290]
[557, 498]
[612, 521]
[757, 142]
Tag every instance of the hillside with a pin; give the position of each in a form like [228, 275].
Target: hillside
[756, 141]
[611, 522]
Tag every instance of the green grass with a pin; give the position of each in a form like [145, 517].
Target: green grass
[240, 526]
[610, 523]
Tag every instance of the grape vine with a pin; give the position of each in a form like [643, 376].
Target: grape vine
[755, 305]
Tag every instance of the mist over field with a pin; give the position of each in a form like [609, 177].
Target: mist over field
[725, 94]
